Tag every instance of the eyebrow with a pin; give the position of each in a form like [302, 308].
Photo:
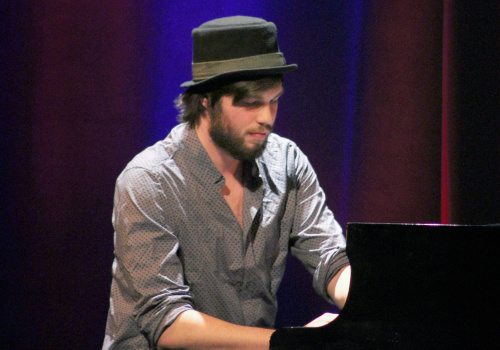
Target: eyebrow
[259, 96]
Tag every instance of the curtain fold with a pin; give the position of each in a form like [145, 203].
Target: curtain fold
[396, 173]
[396, 103]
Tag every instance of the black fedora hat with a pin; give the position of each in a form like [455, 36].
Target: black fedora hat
[235, 48]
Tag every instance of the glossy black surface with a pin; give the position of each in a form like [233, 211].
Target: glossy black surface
[413, 287]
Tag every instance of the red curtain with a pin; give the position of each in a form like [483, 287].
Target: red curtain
[74, 102]
[396, 174]
[427, 147]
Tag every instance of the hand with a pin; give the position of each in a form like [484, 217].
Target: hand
[322, 320]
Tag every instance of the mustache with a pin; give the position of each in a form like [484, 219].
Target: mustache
[262, 128]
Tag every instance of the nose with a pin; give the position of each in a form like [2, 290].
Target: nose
[267, 114]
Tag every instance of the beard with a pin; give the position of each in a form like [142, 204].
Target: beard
[226, 138]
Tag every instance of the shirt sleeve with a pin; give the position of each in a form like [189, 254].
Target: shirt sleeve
[146, 248]
[316, 238]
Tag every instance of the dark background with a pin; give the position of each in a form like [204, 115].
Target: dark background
[395, 103]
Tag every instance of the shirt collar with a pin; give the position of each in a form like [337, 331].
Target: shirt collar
[251, 175]
[200, 163]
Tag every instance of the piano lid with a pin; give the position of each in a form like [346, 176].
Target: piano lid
[413, 286]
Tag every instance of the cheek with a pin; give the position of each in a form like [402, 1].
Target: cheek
[241, 125]
[232, 125]
[241, 119]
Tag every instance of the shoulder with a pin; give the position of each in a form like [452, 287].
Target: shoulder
[161, 151]
[279, 145]
[282, 161]
[154, 161]
[281, 149]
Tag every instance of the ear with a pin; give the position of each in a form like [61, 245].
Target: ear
[204, 102]
[204, 114]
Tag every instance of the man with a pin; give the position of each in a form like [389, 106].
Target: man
[204, 219]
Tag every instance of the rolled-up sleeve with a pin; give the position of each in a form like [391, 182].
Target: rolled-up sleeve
[148, 271]
[316, 238]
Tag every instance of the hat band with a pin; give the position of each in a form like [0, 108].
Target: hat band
[205, 70]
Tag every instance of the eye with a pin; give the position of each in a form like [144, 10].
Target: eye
[250, 103]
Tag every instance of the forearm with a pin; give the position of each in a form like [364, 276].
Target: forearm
[195, 330]
[338, 288]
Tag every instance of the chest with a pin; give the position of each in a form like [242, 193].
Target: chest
[232, 192]
[212, 243]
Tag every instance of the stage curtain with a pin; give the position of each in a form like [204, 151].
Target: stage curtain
[401, 126]
[471, 112]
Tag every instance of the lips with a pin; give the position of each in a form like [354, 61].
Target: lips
[258, 135]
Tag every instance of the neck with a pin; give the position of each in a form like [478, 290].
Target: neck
[222, 160]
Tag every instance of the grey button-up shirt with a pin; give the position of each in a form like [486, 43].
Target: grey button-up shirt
[178, 245]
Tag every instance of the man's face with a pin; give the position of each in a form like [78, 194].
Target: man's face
[242, 128]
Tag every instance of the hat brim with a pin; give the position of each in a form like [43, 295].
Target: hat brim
[234, 76]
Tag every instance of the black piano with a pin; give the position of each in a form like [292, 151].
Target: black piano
[413, 286]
